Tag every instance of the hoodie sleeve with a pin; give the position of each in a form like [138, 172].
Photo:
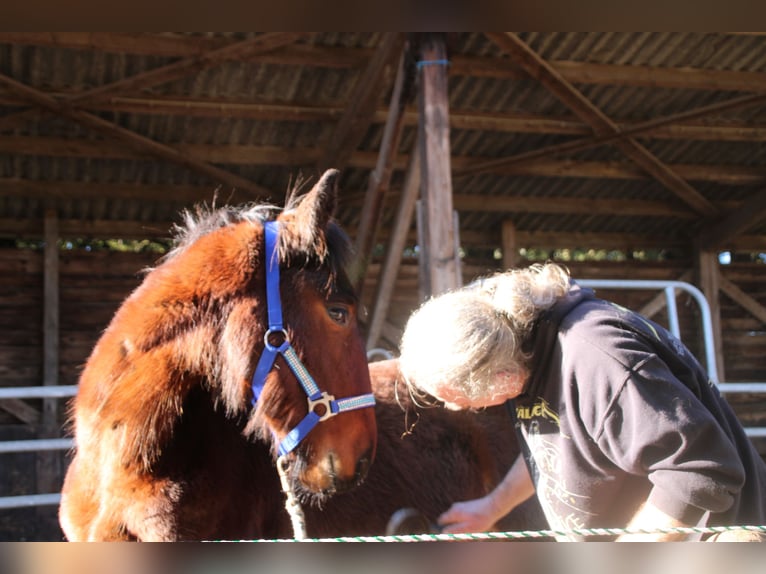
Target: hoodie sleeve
[654, 426]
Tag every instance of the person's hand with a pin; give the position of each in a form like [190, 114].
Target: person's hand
[470, 516]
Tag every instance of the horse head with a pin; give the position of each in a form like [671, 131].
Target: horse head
[319, 321]
[198, 322]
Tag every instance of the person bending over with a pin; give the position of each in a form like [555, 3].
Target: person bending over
[619, 425]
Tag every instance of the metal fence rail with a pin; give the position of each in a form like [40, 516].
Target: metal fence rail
[669, 287]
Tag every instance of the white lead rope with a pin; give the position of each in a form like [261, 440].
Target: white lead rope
[292, 505]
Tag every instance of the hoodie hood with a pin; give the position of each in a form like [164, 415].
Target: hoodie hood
[545, 332]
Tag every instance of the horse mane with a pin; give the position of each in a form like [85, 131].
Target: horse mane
[204, 219]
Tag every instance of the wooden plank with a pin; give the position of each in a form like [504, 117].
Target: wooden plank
[658, 77]
[139, 142]
[242, 50]
[386, 278]
[750, 213]
[540, 70]
[380, 179]
[141, 43]
[507, 122]
[436, 178]
[617, 132]
[182, 68]
[568, 205]
[509, 244]
[296, 157]
[341, 57]
[48, 465]
[743, 299]
[363, 101]
[21, 410]
[51, 311]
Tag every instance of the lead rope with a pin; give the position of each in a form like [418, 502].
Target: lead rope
[292, 505]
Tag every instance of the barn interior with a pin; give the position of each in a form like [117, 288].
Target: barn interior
[624, 156]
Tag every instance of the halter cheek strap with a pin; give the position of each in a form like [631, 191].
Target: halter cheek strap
[315, 397]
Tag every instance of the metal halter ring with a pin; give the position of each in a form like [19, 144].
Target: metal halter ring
[271, 332]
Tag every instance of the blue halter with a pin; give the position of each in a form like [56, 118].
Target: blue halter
[315, 397]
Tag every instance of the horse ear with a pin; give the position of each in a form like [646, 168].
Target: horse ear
[311, 217]
[319, 204]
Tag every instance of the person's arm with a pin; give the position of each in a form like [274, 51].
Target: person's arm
[650, 517]
[481, 514]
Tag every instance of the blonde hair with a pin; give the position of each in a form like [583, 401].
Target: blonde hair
[463, 338]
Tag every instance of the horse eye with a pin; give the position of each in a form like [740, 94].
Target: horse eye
[339, 314]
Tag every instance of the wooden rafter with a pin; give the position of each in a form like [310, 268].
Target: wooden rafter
[135, 140]
[380, 178]
[668, 127]
[341, 57]
[618, 134]
[397, 240]
[300, 157]
[540, 70]
[42, 190]
[363, 102]
[176, 70]
[739, 221]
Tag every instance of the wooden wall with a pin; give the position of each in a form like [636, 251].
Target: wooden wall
[92, 285]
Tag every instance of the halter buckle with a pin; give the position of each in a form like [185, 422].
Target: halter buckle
[326, 400]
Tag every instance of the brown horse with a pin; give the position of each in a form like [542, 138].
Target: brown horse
[427, 458]
[168, 444]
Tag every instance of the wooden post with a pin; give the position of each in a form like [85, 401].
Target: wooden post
[372, 209]
[394, 250]
[48, 471]
[509, 245]
[709, 283]
[436, 177]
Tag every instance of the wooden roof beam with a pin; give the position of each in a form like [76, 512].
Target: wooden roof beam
[380, 178]
[402, 223]
[602, 125]
[176, 70]
[340, 57]
[300, 157]
[719, 235]
[41, 190]
[668, 127]
[135, 140]
[358, 117]
[618, 133]
[243, 50]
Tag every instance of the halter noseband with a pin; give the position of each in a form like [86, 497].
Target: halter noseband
[315, 397]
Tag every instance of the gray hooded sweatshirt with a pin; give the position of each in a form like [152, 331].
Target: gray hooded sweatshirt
[618, 412]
